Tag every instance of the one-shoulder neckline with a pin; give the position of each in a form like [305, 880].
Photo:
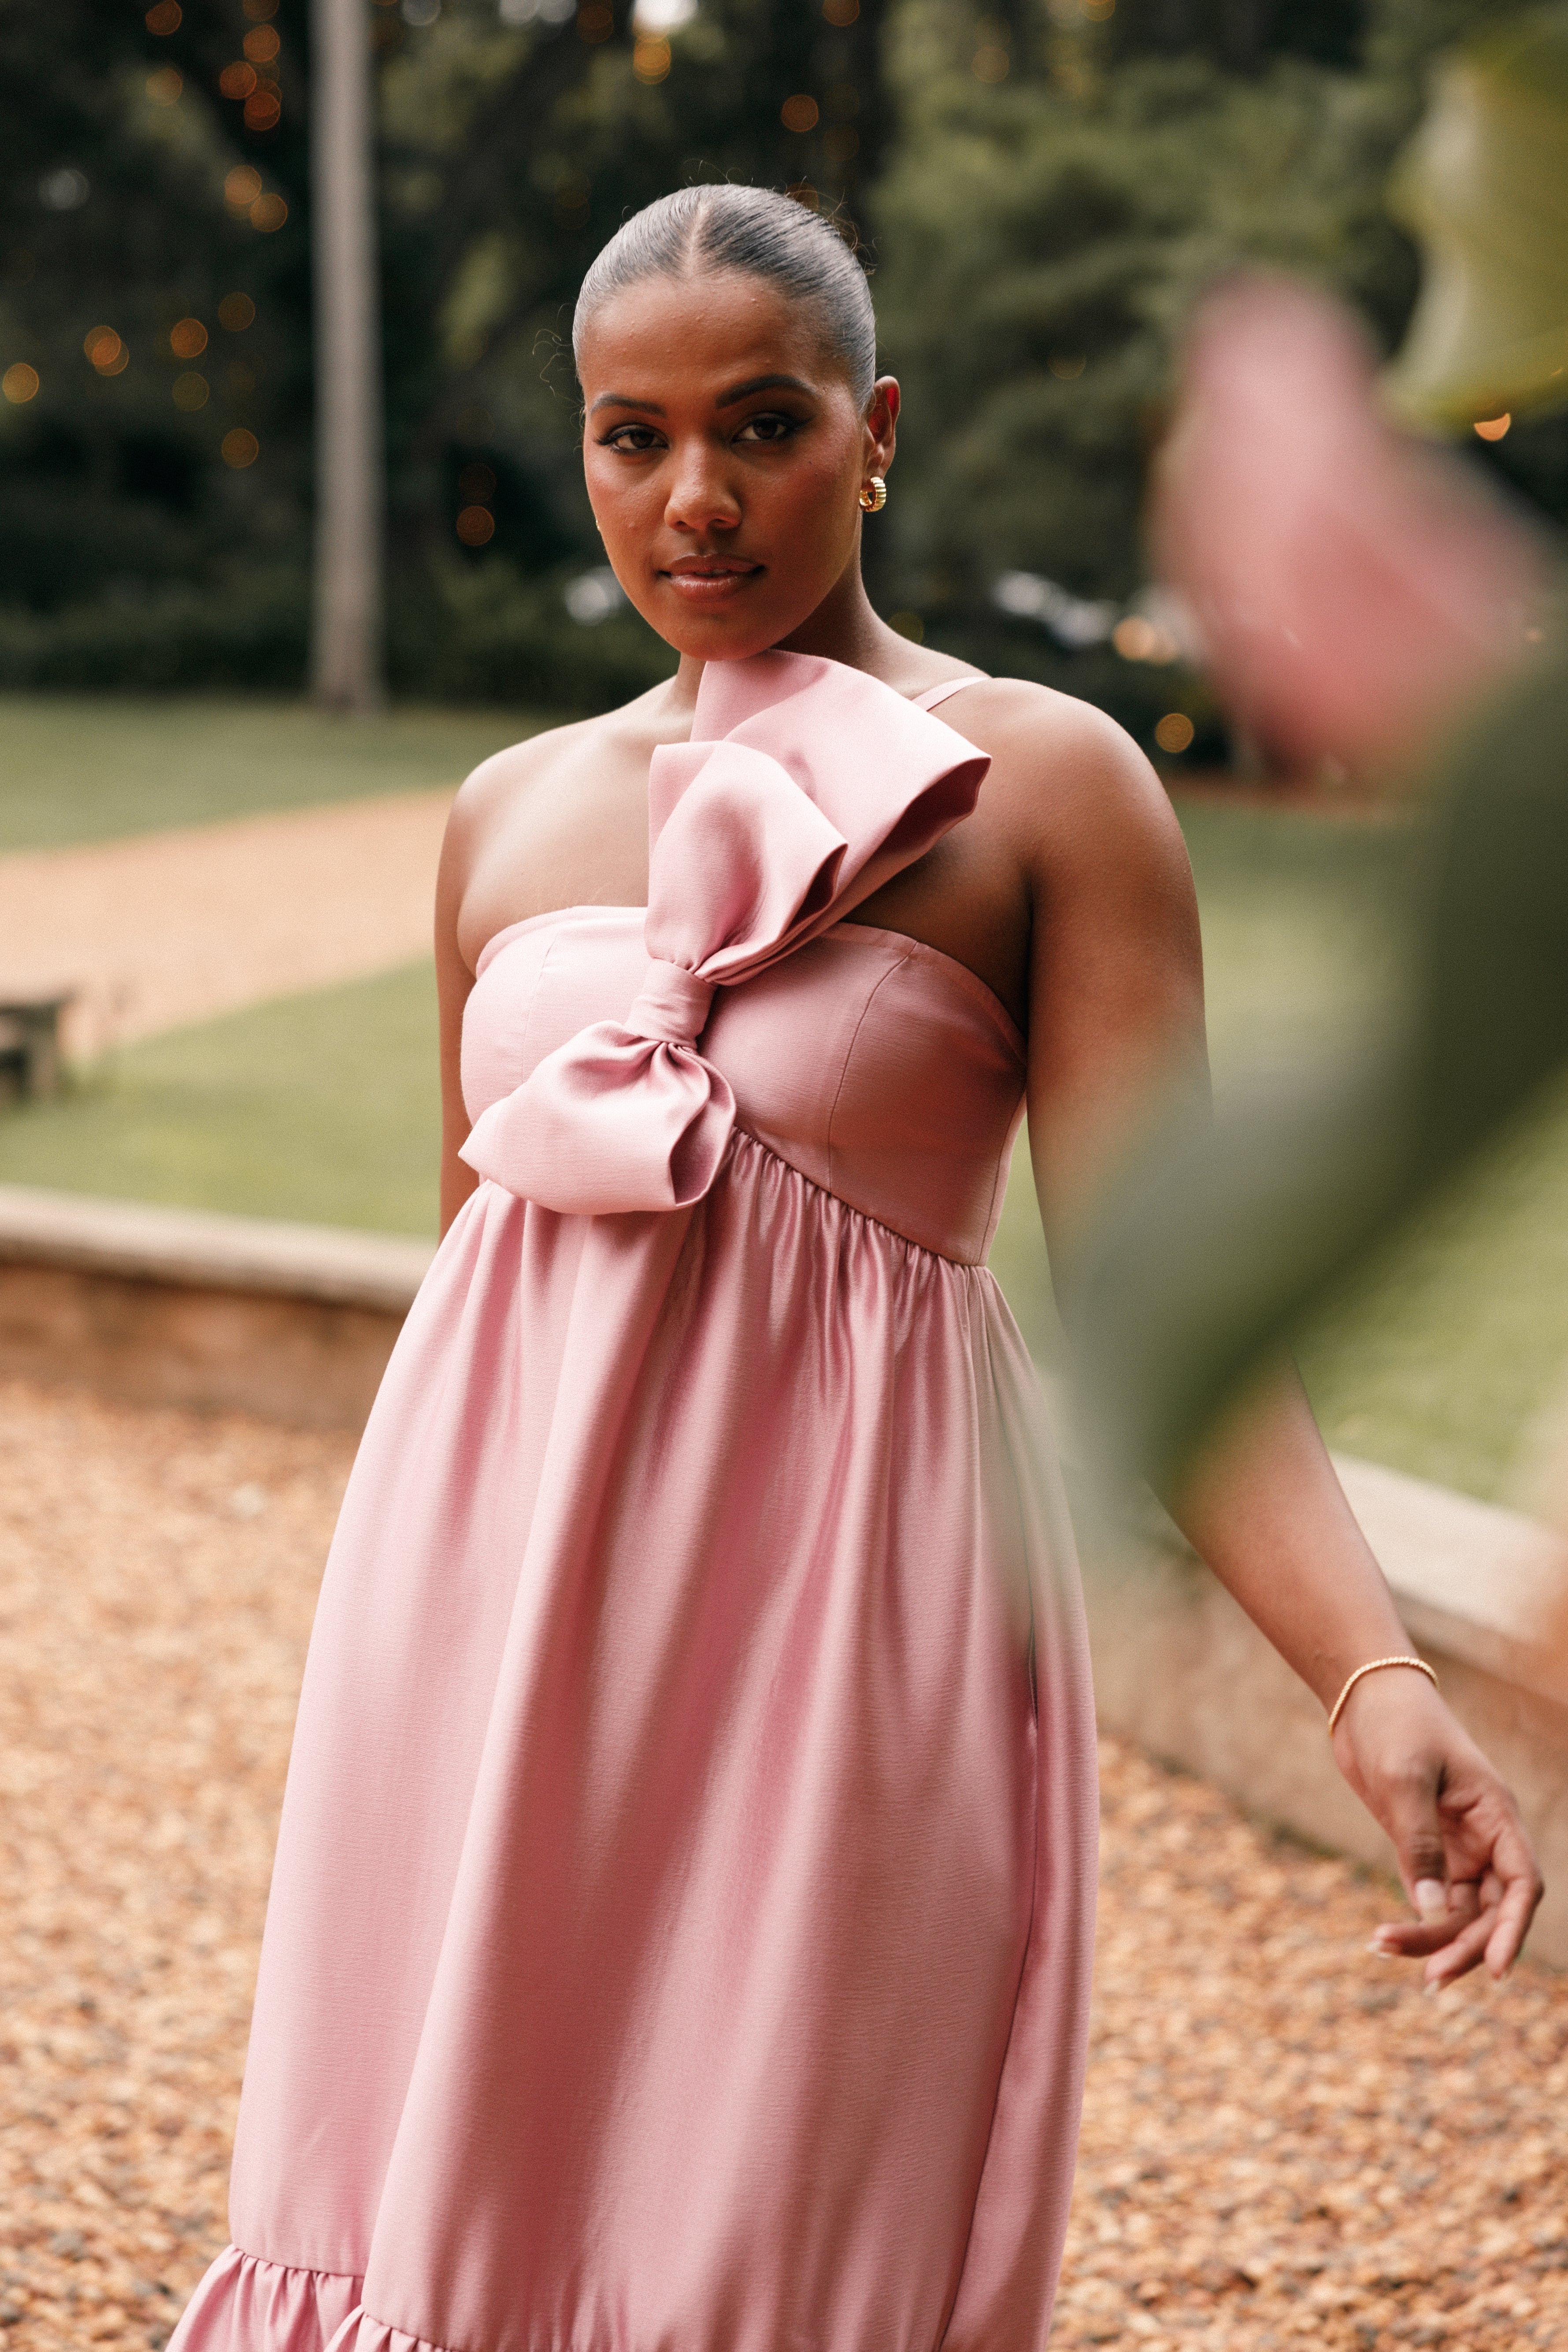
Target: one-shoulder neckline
[971, 981]
[926, 702]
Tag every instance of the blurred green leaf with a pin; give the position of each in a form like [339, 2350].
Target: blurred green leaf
[1223, 1234]
[1484, 185]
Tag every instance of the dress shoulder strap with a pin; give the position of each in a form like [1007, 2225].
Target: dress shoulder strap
[935, 694]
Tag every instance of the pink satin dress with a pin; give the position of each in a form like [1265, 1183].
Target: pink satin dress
[679, 1939]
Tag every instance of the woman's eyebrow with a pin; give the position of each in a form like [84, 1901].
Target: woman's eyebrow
[760, 384]
[725, 399]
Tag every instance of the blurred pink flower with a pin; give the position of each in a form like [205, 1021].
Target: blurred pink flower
[1351, 587]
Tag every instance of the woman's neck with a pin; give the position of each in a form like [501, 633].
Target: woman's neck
[843, 628]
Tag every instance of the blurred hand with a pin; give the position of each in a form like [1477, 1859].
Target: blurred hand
[1464, 1857]
[1351, 587]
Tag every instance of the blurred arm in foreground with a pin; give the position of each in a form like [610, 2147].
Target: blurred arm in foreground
[1357, 596]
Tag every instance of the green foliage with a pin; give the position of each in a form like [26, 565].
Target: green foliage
[1241, 35]
[132, 554]
[1041, 187]
[500, 636]
[1046, 238]
[1043, 238]
[248, 632]
[113, 215]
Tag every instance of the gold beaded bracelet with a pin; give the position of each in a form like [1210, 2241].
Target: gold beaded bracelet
[1374, 1666]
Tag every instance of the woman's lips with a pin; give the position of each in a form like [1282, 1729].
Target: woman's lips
[712, 583]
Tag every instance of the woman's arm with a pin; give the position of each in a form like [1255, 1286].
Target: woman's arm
[1264, 1508]
[1116, 1017]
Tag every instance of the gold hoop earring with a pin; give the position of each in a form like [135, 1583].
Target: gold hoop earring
[873, 495]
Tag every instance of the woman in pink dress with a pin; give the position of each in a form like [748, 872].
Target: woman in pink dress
[681, 1934]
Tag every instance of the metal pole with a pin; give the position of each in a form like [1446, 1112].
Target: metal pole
[346, 663]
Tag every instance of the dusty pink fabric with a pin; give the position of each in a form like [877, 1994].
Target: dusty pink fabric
[243, 2302]
[680, 1936]
[778, 817]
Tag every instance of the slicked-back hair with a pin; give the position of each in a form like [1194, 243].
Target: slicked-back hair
[702, 229]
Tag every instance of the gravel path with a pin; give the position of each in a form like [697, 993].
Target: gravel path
[1283, 2138]
[171, 928]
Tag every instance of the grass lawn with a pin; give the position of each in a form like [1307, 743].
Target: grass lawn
[323, 1108]
[84, 768]
[1445, 1358]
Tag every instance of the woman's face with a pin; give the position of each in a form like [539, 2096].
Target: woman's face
[725, 455]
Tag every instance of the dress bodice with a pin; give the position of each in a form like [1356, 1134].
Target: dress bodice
[611, 1052]
[877, 1067]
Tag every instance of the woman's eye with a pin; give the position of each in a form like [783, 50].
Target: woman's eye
[768, 428]
[635, 437]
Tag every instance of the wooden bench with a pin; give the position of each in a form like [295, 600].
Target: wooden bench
[30, 1046]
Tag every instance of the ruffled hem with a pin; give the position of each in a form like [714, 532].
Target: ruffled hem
[361, 2333]
[244, 2305]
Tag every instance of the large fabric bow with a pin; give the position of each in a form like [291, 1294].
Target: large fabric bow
[804, 787]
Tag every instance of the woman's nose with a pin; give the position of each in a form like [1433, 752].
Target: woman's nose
[699, 496]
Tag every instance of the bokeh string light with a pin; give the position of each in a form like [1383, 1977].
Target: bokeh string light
[239, 448]
[236, 312]
[1138, 639]
[106, 350]
[19, 383]
[188, 340]
[65, 191]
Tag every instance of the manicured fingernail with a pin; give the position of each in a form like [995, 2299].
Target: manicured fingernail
[1433, 1984]
[1384, 1944]
[1431, 1897]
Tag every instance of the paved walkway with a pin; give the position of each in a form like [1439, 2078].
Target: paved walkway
[171, 928]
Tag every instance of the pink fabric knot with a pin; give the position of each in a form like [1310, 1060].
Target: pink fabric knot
[673, 1004]
[804, 787]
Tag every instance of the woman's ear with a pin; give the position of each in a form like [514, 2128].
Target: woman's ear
[882, 423]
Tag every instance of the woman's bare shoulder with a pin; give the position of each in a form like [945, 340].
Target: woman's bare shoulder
[1065, 776]
[541, 764]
